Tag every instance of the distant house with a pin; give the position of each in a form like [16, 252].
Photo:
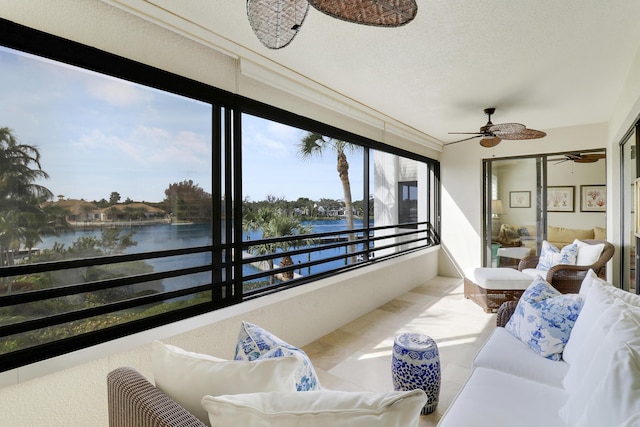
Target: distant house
[74, 210]
[130, 211]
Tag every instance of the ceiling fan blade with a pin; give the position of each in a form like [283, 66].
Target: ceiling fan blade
[380, 13]
[590, 158]
[524, 134]
[466, 133]
[466, 139]
[276, 22]
[506, 129]
[490, 141]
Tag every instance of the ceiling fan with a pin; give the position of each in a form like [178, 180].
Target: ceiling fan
[277, 22]
[492, 134]
[582, 158]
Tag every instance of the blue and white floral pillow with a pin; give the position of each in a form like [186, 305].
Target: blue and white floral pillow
[544, 318]
[538, 290]
[255, 343]
[550, 255]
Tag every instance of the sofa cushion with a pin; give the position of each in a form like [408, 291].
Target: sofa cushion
[590, 327]
[561, 234]
[615, 398]
[317, 408]
[504, 352]
[599, 233]
[551, 255]
[533, 273]
[256, 343]
[623, 333]
[588, 254]
[544, 317]
[499, 278]
[494, 398]
[187, 377]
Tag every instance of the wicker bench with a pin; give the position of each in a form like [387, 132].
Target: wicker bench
[491, 287]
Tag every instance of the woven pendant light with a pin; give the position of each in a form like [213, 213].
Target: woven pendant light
[380, 13]
[276, 22]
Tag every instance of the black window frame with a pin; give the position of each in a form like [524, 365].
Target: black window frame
[227, 246]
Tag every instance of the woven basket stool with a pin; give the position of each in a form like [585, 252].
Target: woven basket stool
[416, 364]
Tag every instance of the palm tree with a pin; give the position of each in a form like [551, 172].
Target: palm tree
[11, 232]
[314, 144]
[16, 174]
[273, 224]
[20, 197]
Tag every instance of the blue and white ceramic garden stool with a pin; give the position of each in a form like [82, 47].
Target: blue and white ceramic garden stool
[416, 364]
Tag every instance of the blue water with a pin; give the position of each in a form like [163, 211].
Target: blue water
[167, 236]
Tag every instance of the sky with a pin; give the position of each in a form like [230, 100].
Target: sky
[98, 134]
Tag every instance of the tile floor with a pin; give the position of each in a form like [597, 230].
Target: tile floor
[358, 355]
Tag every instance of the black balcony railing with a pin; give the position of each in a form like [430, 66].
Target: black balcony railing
[81, 314]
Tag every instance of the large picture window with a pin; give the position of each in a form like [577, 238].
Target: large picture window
[132, 198]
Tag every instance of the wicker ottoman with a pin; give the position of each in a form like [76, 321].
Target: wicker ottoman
[415, 364]
[490, 287]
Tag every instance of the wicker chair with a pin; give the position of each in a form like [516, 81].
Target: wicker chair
[134, 401]
[505, 312]
[568, 278]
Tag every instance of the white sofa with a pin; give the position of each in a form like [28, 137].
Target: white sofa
[595, 383]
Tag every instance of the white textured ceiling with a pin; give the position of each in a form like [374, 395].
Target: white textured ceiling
[543, 63]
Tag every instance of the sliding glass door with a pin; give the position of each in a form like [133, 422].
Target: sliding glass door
[628, 252]
[556, 197]
[513, 202]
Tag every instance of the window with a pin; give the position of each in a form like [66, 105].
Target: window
[408, 203]
[133, 198]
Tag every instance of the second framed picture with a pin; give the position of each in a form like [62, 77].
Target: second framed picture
[519, 199]
[560, 198]
[593, 198]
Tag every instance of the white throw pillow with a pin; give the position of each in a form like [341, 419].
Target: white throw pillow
[628, 298]
[587, 282]
[622, 333]
[588, 254]
[632, 421]
[187, 377]
[591, 323]
[615, 399]
[317, 409]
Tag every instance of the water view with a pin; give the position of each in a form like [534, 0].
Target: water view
[170, 236]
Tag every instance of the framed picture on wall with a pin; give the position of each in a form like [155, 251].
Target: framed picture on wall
[519, 199]
[593, 198]
[560, 198]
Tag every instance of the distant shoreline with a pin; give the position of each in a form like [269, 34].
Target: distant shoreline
[92, 225]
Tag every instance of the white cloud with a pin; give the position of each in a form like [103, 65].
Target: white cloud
[116, 92]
